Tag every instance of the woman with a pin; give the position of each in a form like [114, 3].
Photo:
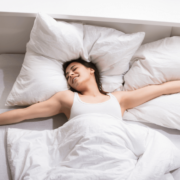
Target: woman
[86, 96]
[84, 79]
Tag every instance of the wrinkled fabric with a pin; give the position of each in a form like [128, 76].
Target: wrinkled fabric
[155, 63]
[91, 146]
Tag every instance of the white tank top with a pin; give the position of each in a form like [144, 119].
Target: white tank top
[110, 107]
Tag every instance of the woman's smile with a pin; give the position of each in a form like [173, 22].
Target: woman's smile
[75, 79]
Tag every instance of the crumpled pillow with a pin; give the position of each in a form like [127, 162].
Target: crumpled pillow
[41, 76]
[52, 43]
[111, 50]
[155, 63]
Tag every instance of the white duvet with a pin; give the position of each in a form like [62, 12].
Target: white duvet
[91, 147]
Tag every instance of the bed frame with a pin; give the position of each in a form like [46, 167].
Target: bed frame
[157, 18]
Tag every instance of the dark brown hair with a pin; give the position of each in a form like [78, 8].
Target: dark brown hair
[88, 65]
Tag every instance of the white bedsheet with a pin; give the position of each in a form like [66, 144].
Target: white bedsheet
[91, 146]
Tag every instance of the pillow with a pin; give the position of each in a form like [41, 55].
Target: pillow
[155, 63]
[41, 76]
[52, 43]
[59, 40]
[111, 50]
[163, 111]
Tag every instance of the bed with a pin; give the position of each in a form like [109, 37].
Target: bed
[10, 67]
[12, 56]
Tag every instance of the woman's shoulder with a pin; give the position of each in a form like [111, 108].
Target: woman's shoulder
[117, 94]
[66, 94]
[66, 98]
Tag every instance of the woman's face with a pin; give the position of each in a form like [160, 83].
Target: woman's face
[82, 74]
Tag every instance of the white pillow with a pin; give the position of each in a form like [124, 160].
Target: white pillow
[163, 111]
[155, 63]
[52, 43]
[39, 79]
[111, 50]
[56, 39]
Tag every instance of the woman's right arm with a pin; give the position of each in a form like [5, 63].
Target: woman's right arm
[47, 108]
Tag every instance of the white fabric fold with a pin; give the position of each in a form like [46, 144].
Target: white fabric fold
[91, 146]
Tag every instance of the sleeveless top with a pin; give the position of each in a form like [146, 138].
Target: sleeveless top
[109, 107]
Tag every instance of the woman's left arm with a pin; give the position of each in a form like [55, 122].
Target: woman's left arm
[131, 99]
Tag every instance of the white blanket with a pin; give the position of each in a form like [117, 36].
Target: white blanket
[91, 147]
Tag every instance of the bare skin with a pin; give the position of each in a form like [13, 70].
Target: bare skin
[62, 101]
[90, 93]
[84, 83]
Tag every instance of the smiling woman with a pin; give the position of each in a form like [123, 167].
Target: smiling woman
[77, 68]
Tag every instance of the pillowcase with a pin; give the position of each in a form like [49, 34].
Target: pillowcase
[59, 40]
[41, 76]
[39, 79]
[155, 63]
[52, 43]
[111, 50]
[163, 111]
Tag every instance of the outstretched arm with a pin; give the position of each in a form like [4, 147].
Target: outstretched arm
[47, 108]
[131, 99]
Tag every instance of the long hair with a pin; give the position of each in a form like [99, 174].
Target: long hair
[88, 65]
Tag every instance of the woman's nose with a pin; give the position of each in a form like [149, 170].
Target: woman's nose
[71, 74]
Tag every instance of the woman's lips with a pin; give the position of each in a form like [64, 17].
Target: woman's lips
[74, 79]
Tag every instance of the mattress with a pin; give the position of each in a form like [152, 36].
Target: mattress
[10, 66]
